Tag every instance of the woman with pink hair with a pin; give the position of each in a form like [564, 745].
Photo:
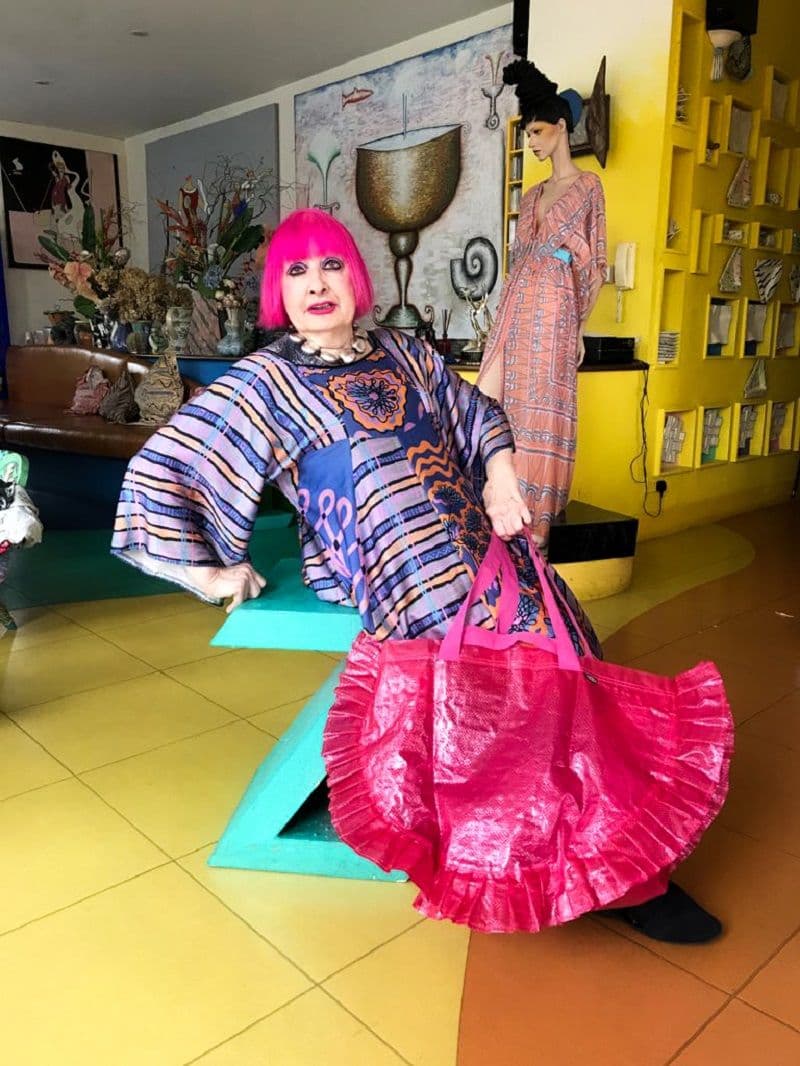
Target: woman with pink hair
[380, 448]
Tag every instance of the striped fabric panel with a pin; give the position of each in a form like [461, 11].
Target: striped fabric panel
[474, 426]
[191, 494]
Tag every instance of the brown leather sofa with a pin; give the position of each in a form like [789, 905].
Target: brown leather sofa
[41, 384]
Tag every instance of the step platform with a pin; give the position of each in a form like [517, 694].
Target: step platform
[282, 821]
[593, 549]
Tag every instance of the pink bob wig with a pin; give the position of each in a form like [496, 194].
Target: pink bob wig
[308, 234]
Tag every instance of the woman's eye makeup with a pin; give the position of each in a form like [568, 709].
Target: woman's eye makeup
[330, 262]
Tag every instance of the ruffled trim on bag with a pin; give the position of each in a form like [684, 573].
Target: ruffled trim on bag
[690, 773]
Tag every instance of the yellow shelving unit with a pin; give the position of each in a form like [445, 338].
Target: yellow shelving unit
[512, 191]
[664, 166]
[711, 335]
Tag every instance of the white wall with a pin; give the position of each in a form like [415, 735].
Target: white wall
[284, 98]
[30, 292]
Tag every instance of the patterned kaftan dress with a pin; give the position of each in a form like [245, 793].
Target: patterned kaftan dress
[535, 337]
[378, 459]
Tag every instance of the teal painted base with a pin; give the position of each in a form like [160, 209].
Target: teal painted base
[282, 821]
[288, 616]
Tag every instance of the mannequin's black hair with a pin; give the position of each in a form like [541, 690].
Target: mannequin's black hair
[538, 96]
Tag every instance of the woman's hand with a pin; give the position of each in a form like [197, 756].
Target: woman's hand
[502, 498]
[581, 349]
[239, 583]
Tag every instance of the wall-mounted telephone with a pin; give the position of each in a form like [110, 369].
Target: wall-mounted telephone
[625, 266]
[624, 271]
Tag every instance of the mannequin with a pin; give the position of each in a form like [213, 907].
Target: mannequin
[534, 350]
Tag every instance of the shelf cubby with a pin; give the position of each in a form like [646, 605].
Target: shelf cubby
[680, 199]
[767, 238]
[512, 191]
[780, 419]
[721, 327]
[740, 126]
[689, 48]
[730, 231]
[748, 431]
[713, 443]
[675, 442]
[787, 333]
[771, 179]
[671, 302]
[700, 240]
[709, 139]
[793, 181]
[779, 101]
[757, 329]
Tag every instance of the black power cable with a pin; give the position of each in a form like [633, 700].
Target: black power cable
[641, 455]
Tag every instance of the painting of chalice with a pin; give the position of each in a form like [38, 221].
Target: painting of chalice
[404, 183]
[408, 156]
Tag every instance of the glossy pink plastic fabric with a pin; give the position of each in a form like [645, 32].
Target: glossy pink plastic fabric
[517, 784]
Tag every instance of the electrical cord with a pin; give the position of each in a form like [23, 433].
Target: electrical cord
[641, 455]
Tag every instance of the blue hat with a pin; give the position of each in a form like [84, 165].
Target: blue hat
[574, 102]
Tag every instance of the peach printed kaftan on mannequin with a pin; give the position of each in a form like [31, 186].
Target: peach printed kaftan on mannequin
[557, 265]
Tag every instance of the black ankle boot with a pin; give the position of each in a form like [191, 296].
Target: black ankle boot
[674, 918]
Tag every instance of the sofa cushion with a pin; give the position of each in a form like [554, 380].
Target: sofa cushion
[41, 385]
[40, 426]
[47, 374]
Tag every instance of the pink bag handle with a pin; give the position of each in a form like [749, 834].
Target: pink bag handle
[498, 562]
[495, 563]
[567, 657]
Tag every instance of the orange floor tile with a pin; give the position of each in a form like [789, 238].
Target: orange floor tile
[595, 992]
[125, 743]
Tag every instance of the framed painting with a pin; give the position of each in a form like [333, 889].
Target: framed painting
[47, 187]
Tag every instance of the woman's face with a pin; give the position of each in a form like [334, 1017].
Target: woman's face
[318, 297]
[544, 136]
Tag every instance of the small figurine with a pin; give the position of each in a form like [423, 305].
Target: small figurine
[480, 318]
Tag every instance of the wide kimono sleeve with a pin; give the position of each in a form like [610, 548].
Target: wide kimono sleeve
[190, 496]
[591, 258]
[474, 427]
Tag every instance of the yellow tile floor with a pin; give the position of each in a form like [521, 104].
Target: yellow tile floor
[125, 743]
